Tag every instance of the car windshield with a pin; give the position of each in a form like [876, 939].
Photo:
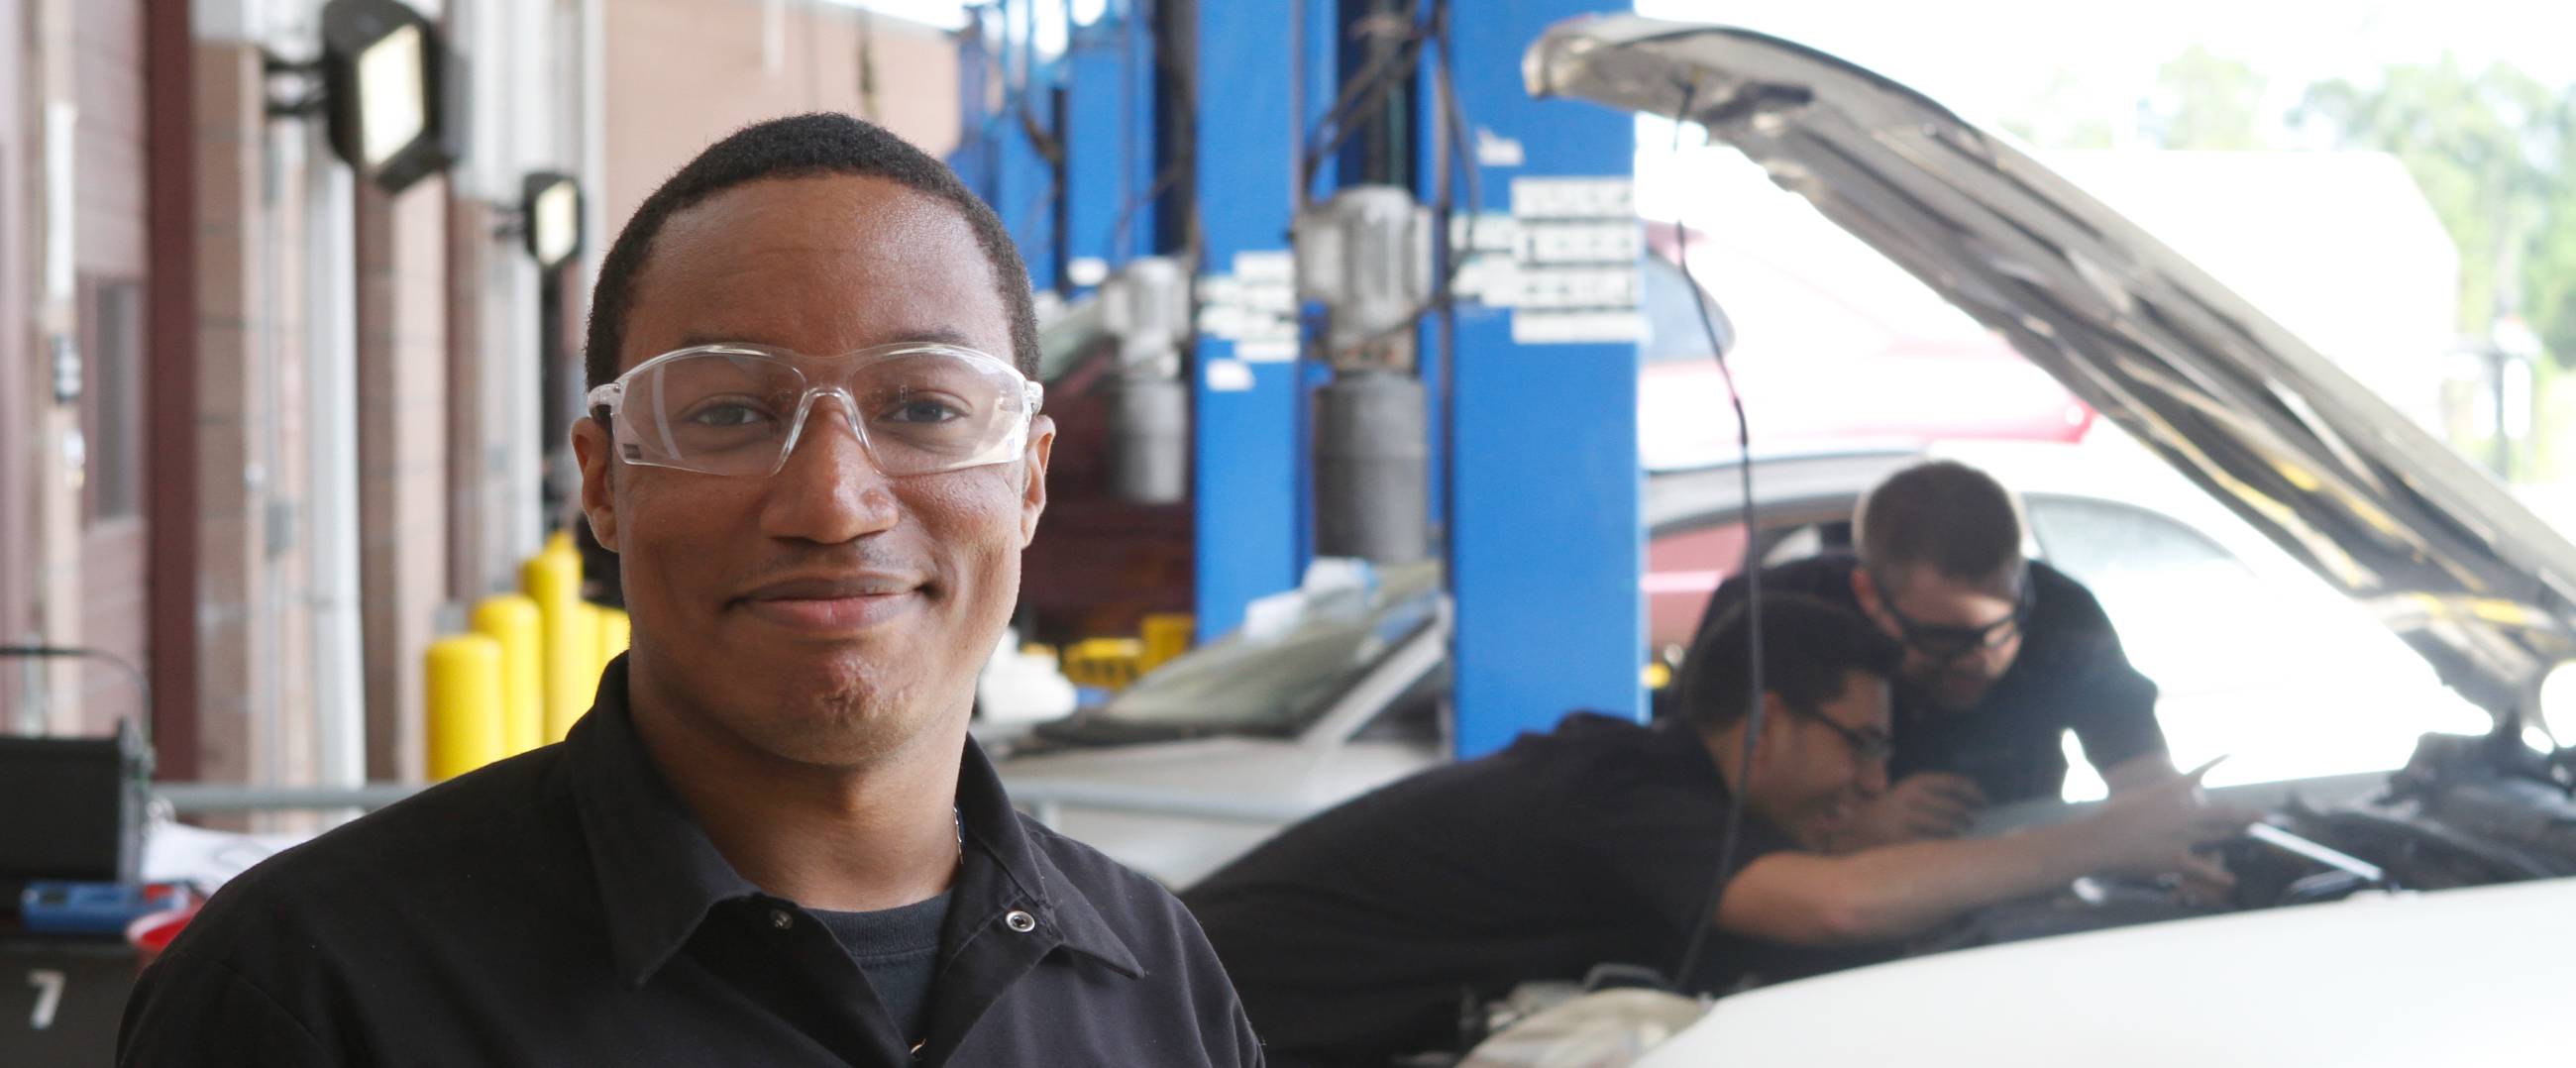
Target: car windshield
[1275, 682]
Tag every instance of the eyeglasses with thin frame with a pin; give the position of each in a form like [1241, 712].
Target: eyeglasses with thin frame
[1945, 642]
[739, 409]
[1870, 746]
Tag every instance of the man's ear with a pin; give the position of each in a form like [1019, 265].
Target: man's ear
[590, 446]
[1769, 746]
[1033, 468]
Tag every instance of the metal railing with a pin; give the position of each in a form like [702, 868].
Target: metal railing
[213, 798]
[1044, 799]
[1047, 799]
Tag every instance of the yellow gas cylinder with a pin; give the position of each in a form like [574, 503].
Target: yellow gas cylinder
[568, 634]
[465, 704]
[513, 620]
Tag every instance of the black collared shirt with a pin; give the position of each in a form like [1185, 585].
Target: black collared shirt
[1361, 933]
[2070, 675]
[561, 908]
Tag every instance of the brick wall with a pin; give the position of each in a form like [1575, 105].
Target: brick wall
[232, 335]
[682, 73]
[402, 458]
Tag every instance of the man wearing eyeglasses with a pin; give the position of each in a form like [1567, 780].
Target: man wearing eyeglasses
[2003, 656]
[814, 446]
[1365, 932]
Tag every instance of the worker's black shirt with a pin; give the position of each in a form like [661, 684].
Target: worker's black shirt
[561, 908]
[1358, 934]
[2069, 675]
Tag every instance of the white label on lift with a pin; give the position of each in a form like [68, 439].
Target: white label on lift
[1255, 307]
[1566, 264]
[1540, 326]
[1574, 198]
[1228, 376]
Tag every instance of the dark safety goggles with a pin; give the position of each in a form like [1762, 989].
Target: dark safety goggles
[1944, 642]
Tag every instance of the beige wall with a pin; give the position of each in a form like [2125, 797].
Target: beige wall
[683, 73]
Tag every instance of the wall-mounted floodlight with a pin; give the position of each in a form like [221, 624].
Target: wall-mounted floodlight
[551, 205]
[386, 78]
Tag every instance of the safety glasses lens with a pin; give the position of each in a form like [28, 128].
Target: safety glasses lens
[737, 413]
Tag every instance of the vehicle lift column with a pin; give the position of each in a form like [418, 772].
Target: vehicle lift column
[1535, 395]
[1546, 539]
[1249, 389]
[1542, 485]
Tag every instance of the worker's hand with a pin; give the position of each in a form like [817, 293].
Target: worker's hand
[2151, 830]
[2203, 879]
[1929, 804]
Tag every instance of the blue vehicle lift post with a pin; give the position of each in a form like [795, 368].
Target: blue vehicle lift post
[1534, 407]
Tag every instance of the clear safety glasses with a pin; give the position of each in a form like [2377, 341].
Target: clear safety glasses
[918, 408]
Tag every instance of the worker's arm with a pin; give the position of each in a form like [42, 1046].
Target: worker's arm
[2137, 772]
[1875, 895]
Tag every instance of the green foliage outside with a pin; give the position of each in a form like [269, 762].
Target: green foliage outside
[2494, 151]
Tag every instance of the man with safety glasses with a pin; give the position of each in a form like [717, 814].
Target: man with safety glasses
[813, 443]
[1359, 934]
[2003, 656]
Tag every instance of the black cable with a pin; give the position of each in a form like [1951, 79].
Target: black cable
[1462, 166]
[1752, 573]
[142, 683]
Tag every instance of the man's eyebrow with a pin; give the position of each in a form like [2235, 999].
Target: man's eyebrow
[938, 334]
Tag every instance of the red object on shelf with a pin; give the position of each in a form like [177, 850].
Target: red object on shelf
[151, 933]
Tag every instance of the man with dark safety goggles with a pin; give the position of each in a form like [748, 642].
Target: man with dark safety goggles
[2003, 656]
[1359, 935]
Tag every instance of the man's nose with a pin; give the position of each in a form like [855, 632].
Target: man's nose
[1873, 777]
[830, 490]
[1995, 658]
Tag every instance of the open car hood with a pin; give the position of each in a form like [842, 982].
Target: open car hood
[2337, 476]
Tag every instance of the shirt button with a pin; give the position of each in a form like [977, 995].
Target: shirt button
[1020, 921]
[779, 918]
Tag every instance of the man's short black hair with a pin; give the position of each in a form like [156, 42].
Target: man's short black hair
[799, 146]
[1809, 650]
[1947, 515]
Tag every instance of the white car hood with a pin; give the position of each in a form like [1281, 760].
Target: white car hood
[2251, 414]
[2285, 986]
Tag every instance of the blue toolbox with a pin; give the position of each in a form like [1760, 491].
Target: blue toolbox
[94, 908]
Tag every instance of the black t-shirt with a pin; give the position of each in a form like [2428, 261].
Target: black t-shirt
[1359, 934]
[2069, 675]
[897, 949]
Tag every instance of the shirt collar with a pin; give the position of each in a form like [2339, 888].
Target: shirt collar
[1000, 833]
[658, 875]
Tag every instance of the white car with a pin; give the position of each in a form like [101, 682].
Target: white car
[2448, 969]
